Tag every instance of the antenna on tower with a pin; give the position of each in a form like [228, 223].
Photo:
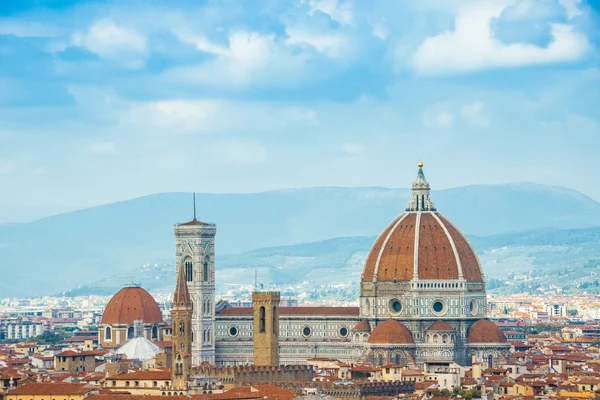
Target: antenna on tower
[194, 206]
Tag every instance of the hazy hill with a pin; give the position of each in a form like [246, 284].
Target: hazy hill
[556, 257]
[63, 251]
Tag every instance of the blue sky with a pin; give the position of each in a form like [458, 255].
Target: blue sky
[103, 101]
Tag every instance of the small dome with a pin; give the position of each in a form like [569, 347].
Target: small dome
[131, 304]
[391, 332]
[440, 325]
[485, 331]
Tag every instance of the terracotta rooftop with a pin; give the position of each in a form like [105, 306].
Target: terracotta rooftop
[163, 374]
[289, 311]
[46, 388]
[194, 222]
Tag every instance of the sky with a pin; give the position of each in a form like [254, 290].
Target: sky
[102, 101]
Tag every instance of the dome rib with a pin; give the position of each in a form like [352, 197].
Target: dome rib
[391, 332]
[130, 304]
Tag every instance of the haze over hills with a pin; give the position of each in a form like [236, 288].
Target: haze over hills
[547, 257]
[61, 252]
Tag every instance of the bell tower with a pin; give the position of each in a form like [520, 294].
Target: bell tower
[181, 316]
[195, 256]
[266, 328]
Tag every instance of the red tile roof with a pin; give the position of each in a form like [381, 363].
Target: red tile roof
[46, 388]
[289, 311]
[163, 374]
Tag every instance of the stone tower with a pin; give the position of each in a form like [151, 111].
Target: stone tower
[181, 315]
[195, 255]
[266, 328]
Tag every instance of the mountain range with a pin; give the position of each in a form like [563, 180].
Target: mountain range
[57, 253]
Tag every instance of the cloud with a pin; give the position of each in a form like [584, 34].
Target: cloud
[250, 59]
[238, 152]
[330, 44]
[102, 148]
[340, 12]
[354, 148]
[473, 114]
[120, 45]
[437, 118]
[472, 47]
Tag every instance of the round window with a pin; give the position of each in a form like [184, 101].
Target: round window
[438, 306]
[395, 306]
[306, 331]
[343, 332]
[233, 331]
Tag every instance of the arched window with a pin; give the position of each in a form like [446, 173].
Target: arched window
[188, 270]
[275, 321]
[181, 329]
[490, 361]
[108, 333]
[130, 332]
[398, 359]
[155, 332]
[205, 269]
[263, 320]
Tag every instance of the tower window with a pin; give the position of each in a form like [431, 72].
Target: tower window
[263, 319]
[154, 332]
[205, 269]
[108, 333]
[181, 329]
[130, 332]
[188, 271]
[275, 321]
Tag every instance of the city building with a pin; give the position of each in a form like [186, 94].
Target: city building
[422, 298]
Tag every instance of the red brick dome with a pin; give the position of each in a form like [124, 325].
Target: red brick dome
[130, 304]
[421, 245]
[485, 331]
[391, 332]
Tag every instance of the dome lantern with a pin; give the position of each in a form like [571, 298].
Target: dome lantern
[421, 200]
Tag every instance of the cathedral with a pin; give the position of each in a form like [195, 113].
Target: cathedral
[422, 299]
